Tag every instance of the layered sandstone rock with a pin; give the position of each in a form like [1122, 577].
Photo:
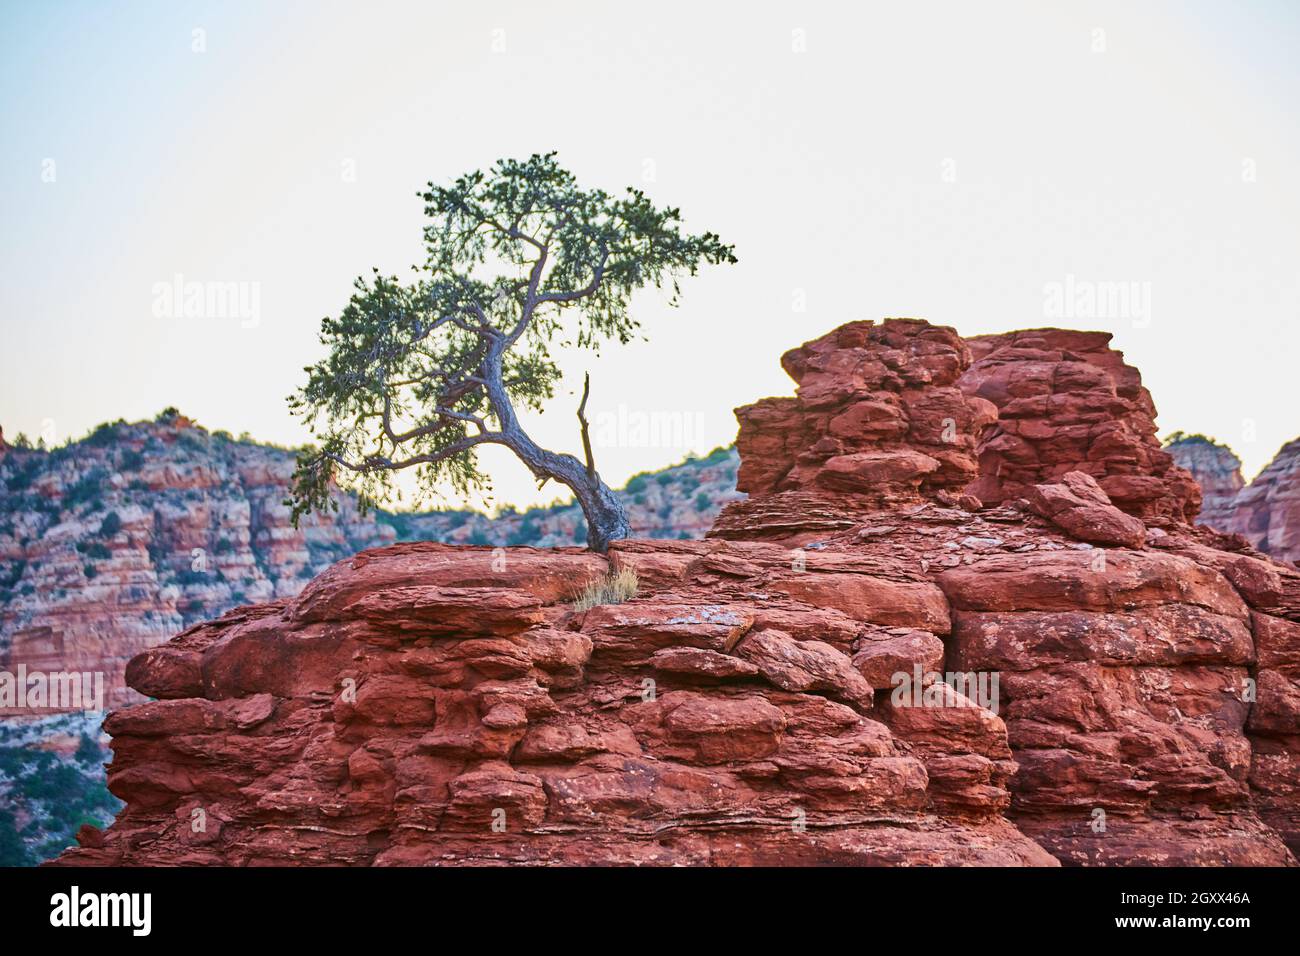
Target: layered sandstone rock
[424, 704]
[1066, 401]
[1267, 511]
[1218, 473]
[877, 421]
[881, 670]
[114, 544]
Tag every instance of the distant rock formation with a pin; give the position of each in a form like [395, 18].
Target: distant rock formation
[1217, 470]
[908, 677]
[1267, 511]
[114, 544]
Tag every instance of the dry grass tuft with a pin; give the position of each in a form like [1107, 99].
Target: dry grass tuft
[613, 588]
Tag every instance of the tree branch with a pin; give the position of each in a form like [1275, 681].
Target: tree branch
[588, 289]
[582, 420]
[376, 462]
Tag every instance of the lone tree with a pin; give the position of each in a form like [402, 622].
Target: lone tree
[419, 375]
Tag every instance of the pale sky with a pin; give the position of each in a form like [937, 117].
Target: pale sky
[952, 161]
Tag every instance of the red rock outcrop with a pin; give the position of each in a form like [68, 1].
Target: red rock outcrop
[877, 421]
[426, 704]
[1066, 401]
[907, 676]
[116, 543]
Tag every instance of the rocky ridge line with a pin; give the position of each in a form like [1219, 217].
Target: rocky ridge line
[420, 704]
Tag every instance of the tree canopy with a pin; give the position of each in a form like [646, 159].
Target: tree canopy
[418, 374]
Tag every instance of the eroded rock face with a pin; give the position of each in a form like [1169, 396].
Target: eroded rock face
[425, 704]
[115, 544]
[892, 673]
[1066, 401]
[1218, 472]
[877, 421]
[1267, 511]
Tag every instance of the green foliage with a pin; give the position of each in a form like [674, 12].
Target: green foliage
[94, 549]
[58, 796]
[194, 441]
[25, 472]
[111, 525]
[89, 751]
[663, 478]
[636, 483]
[1181, 437]
[512, 255]
[89, 570]
[131, 460]
[9, 577]
[528, 532]
[13, 851]
[86, 489]
[104, 435]
[703, 502]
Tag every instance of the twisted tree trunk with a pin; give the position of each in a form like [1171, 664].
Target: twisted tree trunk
[606, 518]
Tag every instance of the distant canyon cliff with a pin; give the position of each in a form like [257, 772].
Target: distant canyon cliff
[1265, 512]
[114, 543]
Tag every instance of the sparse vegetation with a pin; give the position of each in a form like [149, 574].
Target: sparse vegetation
[420, 375]
[56, 798]
[614, 588]
[131, 460]
[87, 489]
[111, 525]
